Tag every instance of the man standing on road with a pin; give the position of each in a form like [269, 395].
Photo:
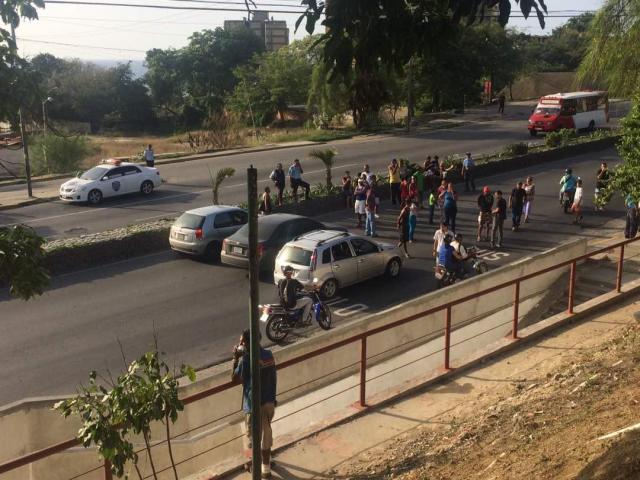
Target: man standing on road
[419, 177]
[268, 382]
[499, 216]
[438, 239]
[602, 179]
[631, 226]
[295, 178]
[501, 101]
[149, 156]
[394, 181]
[370, 208]
[278, 178]
[468, 165]
[516, 203]
[485, 204]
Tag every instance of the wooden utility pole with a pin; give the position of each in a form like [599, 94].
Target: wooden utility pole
[256, 397]
[23, 132]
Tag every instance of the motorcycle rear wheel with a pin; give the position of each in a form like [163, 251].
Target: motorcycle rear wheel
[275, 329]
[324, 317]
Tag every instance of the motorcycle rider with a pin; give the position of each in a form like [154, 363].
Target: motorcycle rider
[449, 258]
[464, 264]
[568, 185]
[288, 289]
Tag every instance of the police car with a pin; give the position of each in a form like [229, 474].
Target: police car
[109, 179]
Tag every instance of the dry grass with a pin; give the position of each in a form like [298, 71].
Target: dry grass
[109, 147]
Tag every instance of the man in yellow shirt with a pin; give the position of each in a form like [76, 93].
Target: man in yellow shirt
[394, 181]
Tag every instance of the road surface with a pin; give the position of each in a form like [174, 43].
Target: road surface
[49, 344]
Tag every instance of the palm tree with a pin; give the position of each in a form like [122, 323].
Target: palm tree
[327, 157]
[217, 180]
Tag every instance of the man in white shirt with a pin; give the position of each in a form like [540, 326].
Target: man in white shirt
[438, 240]
[576, 208]
[149, 156]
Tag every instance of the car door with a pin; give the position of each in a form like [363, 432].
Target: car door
[369, 259]
[239, 218]
[112, 183]
[132, 179]
[223, 225]
[344, 263]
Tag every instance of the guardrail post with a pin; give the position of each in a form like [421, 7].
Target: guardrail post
[516, 310]
[363, 372]
[447, 338]
[572, 286]
[619, 277]
[107, 470]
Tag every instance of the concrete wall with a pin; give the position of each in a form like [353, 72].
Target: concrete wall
[32, 425]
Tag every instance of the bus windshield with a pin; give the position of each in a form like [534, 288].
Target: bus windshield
[547, 110]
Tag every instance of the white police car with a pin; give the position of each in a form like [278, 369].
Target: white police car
[109, 179]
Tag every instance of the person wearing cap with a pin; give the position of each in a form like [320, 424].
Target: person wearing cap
[288, 291]
[241, 373]
[485, 204]
[468, 166]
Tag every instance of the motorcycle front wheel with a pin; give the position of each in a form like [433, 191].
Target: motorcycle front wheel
[276, 328]
[324, 318]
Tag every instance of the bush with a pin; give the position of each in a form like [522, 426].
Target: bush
[562, 137]
[516, 149]
[63, 154]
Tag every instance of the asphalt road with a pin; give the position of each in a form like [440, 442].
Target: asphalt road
[187, 184]
[49, 344]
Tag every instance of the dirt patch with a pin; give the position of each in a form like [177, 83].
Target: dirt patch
[541, 428]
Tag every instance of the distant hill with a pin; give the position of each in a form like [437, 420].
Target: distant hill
[137, 66]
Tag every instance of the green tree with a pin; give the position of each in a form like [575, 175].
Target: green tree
[327, 157]
[327, 98]
[274, 80]
[402, 30]
[216, 181]
[22, 261]
[613, 56]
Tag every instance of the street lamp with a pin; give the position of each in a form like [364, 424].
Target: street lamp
[44, 129]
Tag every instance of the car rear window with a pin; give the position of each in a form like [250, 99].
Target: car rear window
[296, 255]
[265, 231]
[189, 220]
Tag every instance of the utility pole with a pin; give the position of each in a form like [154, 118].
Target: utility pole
[256, 397]
[23, 131]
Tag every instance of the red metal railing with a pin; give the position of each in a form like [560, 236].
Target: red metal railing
[362, 363]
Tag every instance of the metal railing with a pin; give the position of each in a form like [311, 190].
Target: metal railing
[362, 363]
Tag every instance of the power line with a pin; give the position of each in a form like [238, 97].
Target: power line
[22, 39]
[163, 7]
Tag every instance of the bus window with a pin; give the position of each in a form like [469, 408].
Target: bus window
[592, 103]
[569, 107]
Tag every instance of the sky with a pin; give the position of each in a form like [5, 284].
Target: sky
[93, 32]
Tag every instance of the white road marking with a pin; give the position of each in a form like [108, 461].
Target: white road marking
[351, 310]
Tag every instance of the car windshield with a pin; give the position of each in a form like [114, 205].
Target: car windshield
[94, 174]
[295, 255]
[265, 231]
[189, 220]
[547, 110]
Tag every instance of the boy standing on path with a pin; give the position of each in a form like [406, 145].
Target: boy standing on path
[516, 203]
[499, 214]
[485, 204]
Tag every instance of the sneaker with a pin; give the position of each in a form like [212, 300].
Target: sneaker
[513, 229]
[492, 245]
[406, 255]
[478, 239]
[499, 245]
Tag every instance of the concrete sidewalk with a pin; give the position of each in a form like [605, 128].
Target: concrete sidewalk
[329, 453]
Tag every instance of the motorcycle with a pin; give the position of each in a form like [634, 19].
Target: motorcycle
[445, 277]
[280, 321]
[567, 200]
[479, 266]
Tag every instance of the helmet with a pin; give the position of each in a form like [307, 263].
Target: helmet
[458, 236]
[568, 171]
[448, 238]
[287, 269]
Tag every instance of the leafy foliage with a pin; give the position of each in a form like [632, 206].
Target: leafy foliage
[624, 178]
[612, 56]
[22, 261]
[327, 157]
[562, 137]
[516, 149]
[219, 131]
[63, 154]
[112, 412]
[217, 179]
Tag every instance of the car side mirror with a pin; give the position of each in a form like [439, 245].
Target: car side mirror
[103, 179]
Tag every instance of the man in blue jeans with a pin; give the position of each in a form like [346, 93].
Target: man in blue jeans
[370, 208]
[242, 373]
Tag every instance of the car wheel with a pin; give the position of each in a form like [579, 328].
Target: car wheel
[147, 187]
[94, 197]
[393, 268]
[329, 288]
[212, 252]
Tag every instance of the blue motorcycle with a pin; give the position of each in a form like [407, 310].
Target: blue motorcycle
[280, 321]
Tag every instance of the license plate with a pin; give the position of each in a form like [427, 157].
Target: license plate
[237, 250]
[264, 317]
[179, 236]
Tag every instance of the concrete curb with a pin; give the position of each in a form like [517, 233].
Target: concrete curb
[491, 352]
[25, 203]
